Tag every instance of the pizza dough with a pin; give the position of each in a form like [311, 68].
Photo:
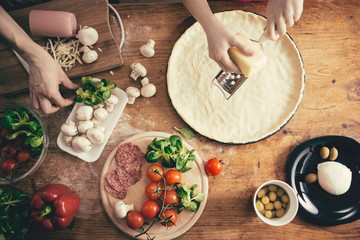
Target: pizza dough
[260, 107]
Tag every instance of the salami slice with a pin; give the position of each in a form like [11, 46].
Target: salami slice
[127, 153]
[113, 192]
[113, 179]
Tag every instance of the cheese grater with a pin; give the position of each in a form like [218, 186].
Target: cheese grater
[229, 83]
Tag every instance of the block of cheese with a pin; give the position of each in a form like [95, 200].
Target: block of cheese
[247, 64]
[52, 23]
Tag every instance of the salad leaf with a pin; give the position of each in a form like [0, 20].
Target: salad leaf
[186, 132]
[188, 200]
[172, 153]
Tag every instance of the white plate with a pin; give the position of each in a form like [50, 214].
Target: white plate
[109, 123]
[136, 192]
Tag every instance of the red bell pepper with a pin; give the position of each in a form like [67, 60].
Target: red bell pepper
[54, 206]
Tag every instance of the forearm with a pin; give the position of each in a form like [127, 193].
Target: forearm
[16, 37]
[201, 11]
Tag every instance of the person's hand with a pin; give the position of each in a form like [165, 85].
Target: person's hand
[220, 40]
[45, 76]
[281, 14]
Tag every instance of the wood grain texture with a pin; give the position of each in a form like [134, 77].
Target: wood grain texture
[327, 36]
[95, 14]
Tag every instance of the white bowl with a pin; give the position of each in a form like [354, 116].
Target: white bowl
[291, 209]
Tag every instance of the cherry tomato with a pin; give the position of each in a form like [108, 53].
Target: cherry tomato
[171, 197]
[213, 167]
[155, 177]
[32, 162]
[172, 176]
[4, 132]
[149, 209]
[153, 190]
[8, 152]
[170, 217]
[23, 155]
[8, 165]
[134, 219]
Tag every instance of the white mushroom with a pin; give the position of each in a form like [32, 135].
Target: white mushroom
[81, 144]
[137, 70]
[68, 140]
[121, 209]
[84, 126]
[84, 113]
[147, 50]
[132, 93]
[100, 114]
[69, 128]
[95, 136]
[89, 55]
[148, 89]
[111, 102]
[88, 36]
[100, 126]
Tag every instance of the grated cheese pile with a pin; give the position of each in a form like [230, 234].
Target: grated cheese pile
[64, 51]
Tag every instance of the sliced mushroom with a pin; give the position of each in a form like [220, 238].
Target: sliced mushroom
[81, 144]
[84, 113]
[137, 70]
[69, 128]
[95, 136]
[147, 50]
[132, 93]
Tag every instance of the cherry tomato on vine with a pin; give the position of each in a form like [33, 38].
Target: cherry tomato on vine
[154, 190]
[172, 176]
[8, 165]
[23, 155]
[8, 152]
[213, 167]
[171, 197]
[149, 209]
[134, 219]
[155, 173]
[169, 216]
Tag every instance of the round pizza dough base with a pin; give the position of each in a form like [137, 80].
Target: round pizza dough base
[260, 107]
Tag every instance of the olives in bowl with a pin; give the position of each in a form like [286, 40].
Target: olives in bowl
[275, 203]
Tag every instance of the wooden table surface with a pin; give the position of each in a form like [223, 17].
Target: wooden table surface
[328, 38]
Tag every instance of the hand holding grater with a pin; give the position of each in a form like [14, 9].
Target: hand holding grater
[228, 83]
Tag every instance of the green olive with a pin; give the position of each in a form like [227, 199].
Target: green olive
[269, 206]
[280, 212]
[272, 188]
[272, 196]
[285, 199]
[280, 192]
[311, 178]
[261, 193]
[259, 205]
[277, 204]
[265, 200]
[268, 214]
[333, 154]
[324, 152]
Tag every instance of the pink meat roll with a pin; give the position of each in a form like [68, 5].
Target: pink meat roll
[52, 23]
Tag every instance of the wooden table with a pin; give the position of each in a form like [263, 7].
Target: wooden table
[328, 38]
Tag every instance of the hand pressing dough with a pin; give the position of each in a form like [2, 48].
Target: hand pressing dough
[261, 106]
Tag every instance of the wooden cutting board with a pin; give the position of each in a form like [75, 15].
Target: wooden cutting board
[94, 13]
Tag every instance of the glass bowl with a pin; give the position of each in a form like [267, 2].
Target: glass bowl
[28, 170]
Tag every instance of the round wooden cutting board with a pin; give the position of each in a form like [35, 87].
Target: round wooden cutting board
[136, 192]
